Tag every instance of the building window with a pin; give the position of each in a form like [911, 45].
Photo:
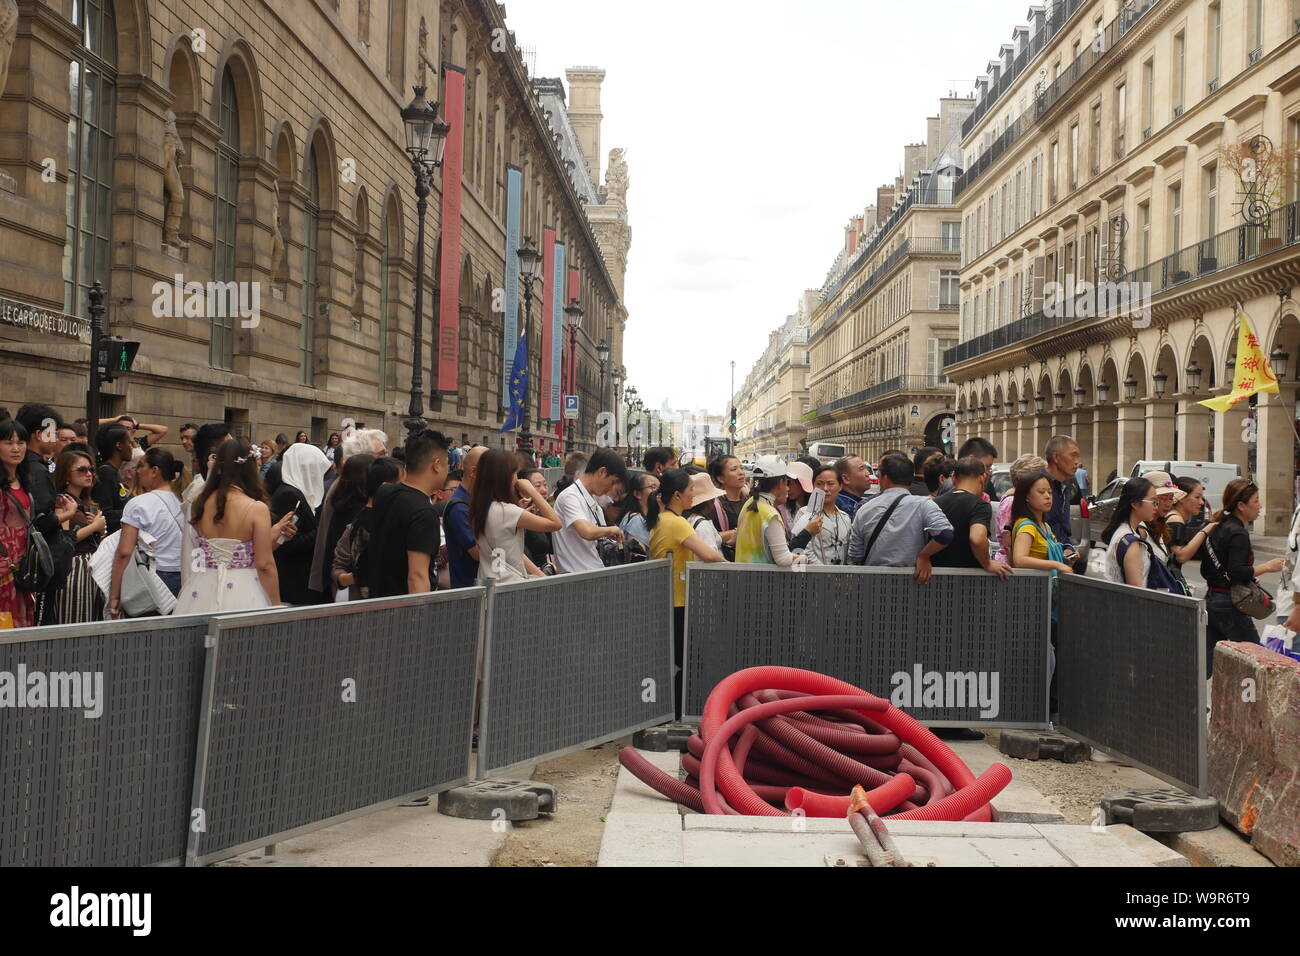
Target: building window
[307, 337]
[1096, 139]
[1256, 30]
[92, 98]
[1074, 156]
[221, 347]
[1211, 190]
[1179, 71]
[950, 236]
[1175, 218]
[1144, 232]
[1214, 44]
[397, 42]
[1053, 166]
[1121, 118]
[1148, 96]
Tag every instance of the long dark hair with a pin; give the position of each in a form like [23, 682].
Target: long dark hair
[226, 472]
[671, 481]
[1134, 490]
[166, 464]
[630, 504]
[1020, 503]
[8, 430]
[349, 492]
[493, 481]
[63, 473]
[759, 486]
[1238, 491]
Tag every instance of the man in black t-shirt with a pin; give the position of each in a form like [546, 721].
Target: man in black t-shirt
[971, 517]
[405, 536]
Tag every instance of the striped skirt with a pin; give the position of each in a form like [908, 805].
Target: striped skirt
[79, 600]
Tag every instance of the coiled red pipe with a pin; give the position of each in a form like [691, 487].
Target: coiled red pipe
[785, 736]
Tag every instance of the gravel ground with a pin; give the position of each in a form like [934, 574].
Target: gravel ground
[1076, 789]
[584, 786]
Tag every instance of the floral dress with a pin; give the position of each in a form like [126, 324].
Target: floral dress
[17, 608]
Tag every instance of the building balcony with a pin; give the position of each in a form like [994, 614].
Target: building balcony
[898, 384]
[1048, 97]
[1205, 258]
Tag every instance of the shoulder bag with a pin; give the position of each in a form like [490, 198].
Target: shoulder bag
[35, 571]
[1249, 598]
[871, 542]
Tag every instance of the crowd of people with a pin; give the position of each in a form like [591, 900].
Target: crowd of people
[129, 527]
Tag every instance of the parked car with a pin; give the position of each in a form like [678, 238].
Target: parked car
[1102, 505]
[1214, 475]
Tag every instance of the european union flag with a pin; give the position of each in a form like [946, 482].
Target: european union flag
[518, 385]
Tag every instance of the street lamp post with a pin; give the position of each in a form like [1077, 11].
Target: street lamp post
[630, 400]
[573, 319]
[617, 379]
[602, 355]
[529, 260]
[426, 138]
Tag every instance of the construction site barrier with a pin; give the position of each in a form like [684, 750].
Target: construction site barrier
[97, 730]
[575, 660]
[966, 648]
[314, 715]
[1132, 676]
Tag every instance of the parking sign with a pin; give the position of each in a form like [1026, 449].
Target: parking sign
[571, 406]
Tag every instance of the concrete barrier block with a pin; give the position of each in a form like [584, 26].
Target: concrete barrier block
[663, 738]
[1254, 747]
[498, 800]
[1043, 745]
[1161, 811]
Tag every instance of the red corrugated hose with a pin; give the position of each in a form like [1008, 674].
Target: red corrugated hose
[780, 740]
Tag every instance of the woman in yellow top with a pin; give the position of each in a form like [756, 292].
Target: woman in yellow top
[672, 536]
[762, 537]
[1033, 545]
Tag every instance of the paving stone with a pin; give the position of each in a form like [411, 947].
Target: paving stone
[1254, 747]
[641, 839]
[498, 800]
[1151, 849]
[633, 796]
[1220, 847]
[1043, 745]
[1085, 846]
[1161, 811]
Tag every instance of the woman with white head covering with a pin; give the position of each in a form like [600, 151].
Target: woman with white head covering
[302, 489]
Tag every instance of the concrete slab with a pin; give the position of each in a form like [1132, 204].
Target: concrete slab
[1086, 846]
[1153, 851]
[1020, 801]
[633, 796]
[639, 839]
[1222, 846]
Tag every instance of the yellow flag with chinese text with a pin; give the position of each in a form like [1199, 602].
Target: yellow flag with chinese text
[1253, 374]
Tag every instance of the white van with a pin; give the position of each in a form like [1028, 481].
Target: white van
[1214, 475]
[826, 452]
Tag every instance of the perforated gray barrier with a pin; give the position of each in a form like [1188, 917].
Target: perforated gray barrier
[965, 648]
[1132, 676]
[106, 790]
[312, 716]
[575, 660]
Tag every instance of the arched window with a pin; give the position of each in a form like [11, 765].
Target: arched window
[307, 342]
[387, 282]
[221, 349]
[92, 98]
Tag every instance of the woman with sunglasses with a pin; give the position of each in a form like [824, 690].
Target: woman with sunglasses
[79, 600]
[1227, 559]
[1137, 508]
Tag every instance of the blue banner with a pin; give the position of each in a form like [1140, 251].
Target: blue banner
[514, 206]
[557, 330]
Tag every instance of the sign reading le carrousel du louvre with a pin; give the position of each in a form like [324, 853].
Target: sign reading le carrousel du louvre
[45, 321]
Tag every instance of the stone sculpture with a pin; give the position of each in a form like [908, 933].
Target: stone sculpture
[173, 189]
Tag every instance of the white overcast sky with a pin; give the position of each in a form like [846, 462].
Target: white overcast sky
[753, 130]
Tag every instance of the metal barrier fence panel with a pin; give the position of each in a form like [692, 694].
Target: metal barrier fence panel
[106, 790]
[879, 630]
[575, 660]
[1132, 676]
[312, 716]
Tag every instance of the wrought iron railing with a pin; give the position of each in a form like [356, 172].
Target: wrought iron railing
[1229, 248]
[899, 383]
[1052, 94]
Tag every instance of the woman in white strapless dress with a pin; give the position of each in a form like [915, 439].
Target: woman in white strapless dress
[231, 567]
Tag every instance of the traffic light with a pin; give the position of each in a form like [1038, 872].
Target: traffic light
[116, 356]
[733, 414]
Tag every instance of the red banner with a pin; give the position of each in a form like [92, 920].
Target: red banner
[548, 316]
[453, 111]
[573, 283]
